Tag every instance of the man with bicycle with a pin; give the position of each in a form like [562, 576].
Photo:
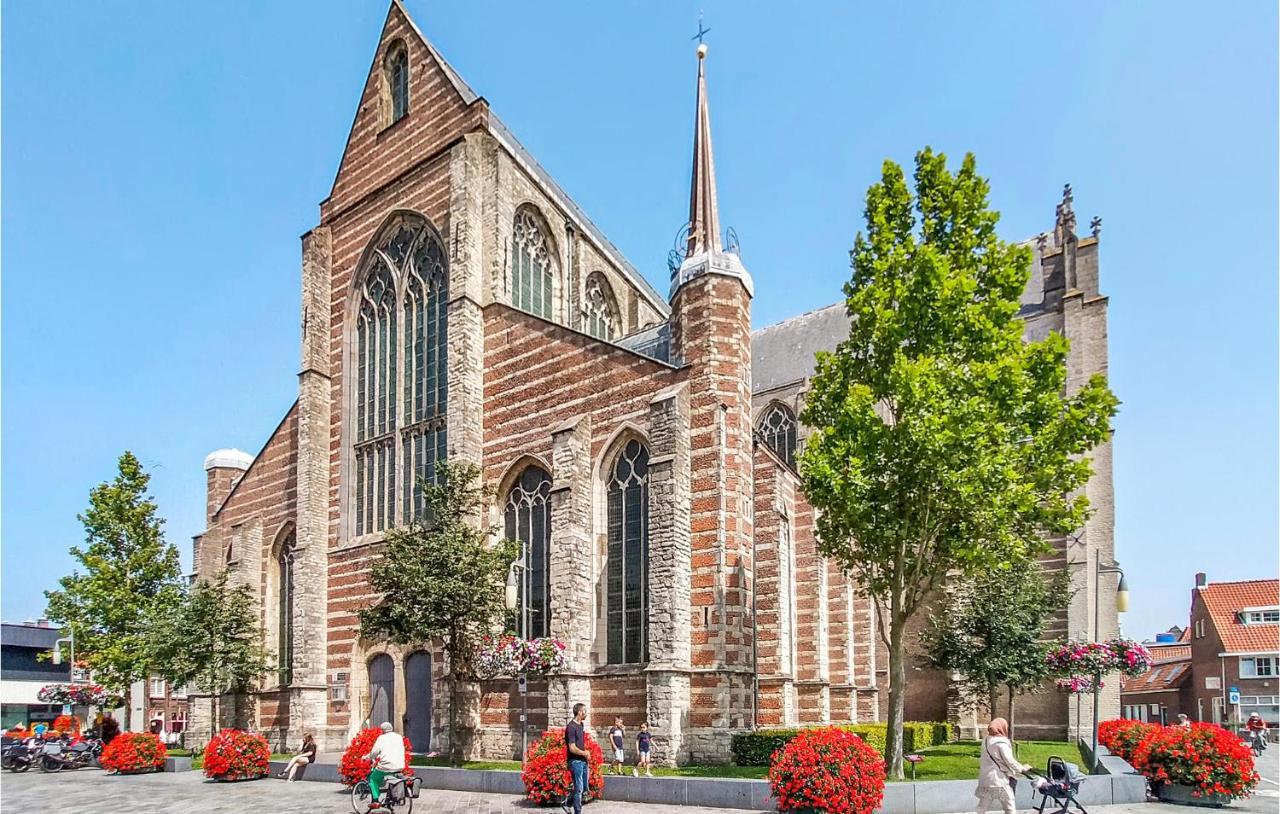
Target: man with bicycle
[387, 756]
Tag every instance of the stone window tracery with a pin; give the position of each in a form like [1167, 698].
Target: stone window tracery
[778, 429]
[602, 320]
[531, 265]
[627, 585]
[528, 521]
[284, 565]
[400, 361]
[398, 82]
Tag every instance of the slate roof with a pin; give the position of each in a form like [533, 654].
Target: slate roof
[1224, 600]
[1167, 675]
[42, 638]
[783, 353]
[654, 342]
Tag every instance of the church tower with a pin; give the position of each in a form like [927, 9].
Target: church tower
[711, 334]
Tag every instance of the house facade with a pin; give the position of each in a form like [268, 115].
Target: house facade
[641, 445]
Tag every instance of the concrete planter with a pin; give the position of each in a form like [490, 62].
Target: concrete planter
[1178, 793]
[177, 764]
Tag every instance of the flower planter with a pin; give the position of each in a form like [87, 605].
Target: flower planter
[1186, 795]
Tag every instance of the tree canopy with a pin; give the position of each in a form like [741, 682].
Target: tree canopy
[942, 442]
[129, 575]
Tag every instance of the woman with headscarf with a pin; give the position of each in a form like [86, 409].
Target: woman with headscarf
[998, 770]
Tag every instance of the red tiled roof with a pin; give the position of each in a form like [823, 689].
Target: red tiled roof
[1161, 653]
[1224, 600]
[1167, 675]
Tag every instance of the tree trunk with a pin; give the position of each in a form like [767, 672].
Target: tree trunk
[993, 702]
[1010, 688]
[128, 707]
[897, 691]
[455, 748]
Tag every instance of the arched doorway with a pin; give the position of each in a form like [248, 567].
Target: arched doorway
[382, 690]
[417, 688]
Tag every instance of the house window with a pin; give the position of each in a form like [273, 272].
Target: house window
[628, 553]
[778, 429]
[1258, 617]
[602, 319]
[400, 363]
[398, 82]
[1258, 667]
[284, 564]
[1268, 706]
[528, 521]
[530, 265]
[157, 688]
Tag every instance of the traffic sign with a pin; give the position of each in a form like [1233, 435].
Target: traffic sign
[1233, 695]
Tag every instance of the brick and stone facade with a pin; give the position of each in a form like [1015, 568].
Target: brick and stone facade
[747, 625]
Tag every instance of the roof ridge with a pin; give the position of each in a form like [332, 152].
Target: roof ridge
[808, 313]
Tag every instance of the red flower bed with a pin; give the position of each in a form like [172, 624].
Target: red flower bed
[546, 770]
[1122, 736]
[67, 724]
[1206, 757]
[354, 767]
[236, 755]
[132, 752]
[827, 769]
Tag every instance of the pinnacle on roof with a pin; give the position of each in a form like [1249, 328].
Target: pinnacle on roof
[704, 209]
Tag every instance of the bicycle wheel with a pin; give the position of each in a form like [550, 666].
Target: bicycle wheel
[361, 797]
[405, 806]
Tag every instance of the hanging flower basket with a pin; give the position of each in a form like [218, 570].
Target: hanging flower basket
[89, 695]
[1081, 659]
[507, 655]
[1077, 685]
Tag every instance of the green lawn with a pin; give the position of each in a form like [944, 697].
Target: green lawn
[952, 761]
[959, 760]
[197, 761]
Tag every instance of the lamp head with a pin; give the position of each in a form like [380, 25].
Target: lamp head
[57, 655]
[512, 595]
[1122, 595]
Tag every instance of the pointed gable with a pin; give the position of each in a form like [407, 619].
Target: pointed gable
[441, 107]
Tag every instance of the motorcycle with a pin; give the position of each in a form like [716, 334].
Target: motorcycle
[57, 755]
[18, 757]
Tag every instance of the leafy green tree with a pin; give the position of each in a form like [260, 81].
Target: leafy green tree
[211, 640]
[130, 574]
[990, 631]
[441, 579]
[942, 442]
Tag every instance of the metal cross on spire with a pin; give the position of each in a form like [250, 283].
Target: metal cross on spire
[702, 32]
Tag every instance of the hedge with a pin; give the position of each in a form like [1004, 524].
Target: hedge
[755, 748]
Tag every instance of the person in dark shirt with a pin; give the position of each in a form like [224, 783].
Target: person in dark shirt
[575, 747]
[303, 758]
[617, 740]
[644, 742]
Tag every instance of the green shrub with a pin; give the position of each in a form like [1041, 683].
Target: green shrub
[755, 748]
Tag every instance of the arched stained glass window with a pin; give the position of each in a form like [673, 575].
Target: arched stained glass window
[602, 320]
[528, 520]
[778, 429]
[284, 565]
[398, 82]
[628, 569]
[399, 360]
[530, 265]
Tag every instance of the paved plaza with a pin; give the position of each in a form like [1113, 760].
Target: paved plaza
[89, 791]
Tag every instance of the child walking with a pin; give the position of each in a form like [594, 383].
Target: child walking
[643, 743]
[617, 738]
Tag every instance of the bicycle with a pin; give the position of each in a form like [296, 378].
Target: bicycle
[398, 793]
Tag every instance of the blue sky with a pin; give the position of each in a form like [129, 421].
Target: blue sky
[161, 159]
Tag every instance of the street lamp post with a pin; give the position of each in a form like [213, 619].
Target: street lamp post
[1122, 605]
[57, 653]
[512, 597]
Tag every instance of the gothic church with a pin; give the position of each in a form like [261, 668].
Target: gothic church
[457, 304]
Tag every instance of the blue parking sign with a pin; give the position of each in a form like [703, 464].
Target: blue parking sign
[1233, 695]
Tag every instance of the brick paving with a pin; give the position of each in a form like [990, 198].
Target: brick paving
[89, 791]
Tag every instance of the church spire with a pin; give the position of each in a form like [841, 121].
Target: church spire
[704, 209]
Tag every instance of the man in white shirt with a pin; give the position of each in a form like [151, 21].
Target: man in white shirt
[388, 757]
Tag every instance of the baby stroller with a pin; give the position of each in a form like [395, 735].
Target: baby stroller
[1060, 783]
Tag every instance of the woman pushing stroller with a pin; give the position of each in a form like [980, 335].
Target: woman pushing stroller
[998, 770]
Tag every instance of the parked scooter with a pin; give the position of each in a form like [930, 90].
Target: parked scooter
[18, 757]
[57, 755]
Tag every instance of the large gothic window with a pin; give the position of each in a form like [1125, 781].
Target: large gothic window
[778, 429]
[528, 520]
[398, 82]
[628, 571]
[285, 575]
[602, 320]
[400, 359]
[531, 264]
